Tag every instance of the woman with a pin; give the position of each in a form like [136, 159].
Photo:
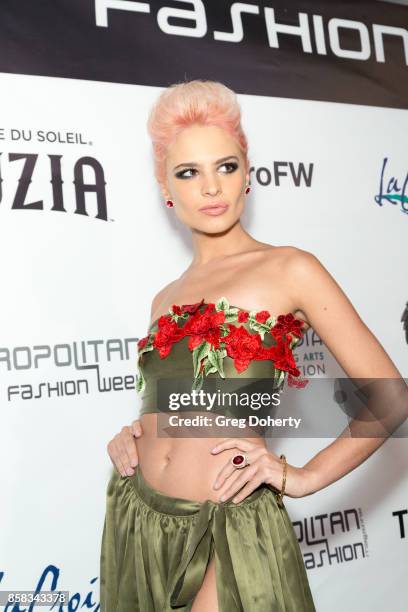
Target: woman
[187, 529]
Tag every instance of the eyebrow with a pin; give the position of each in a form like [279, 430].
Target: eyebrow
[197, 164]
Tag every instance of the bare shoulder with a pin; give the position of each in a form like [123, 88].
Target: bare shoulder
[159, 298]
[298, 274]
[327, 308]
[288, 259]
[298, 261]
[316, 293]
[304, 269]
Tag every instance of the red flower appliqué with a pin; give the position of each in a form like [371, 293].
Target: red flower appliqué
[243, 347]
[287, 324]
[213, 335]
[191, 308]
[167, 334]
[282, 355]
[262, 315]
[204, 326]
[142, 342]
[243, 316]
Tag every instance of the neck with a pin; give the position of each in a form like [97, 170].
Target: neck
[210, 248]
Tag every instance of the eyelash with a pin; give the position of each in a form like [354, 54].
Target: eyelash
[181, 173]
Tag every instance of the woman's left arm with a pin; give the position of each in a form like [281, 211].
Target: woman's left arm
[360, 354]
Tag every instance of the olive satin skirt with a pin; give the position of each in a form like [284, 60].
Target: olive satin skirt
[155, 550]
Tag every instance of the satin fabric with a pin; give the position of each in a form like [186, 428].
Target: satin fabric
[179, 365]
[156, 548]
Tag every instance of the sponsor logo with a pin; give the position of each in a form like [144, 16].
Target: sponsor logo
[314, 34]
[86, 356]
[298, 175]
[392, 190]
[332, 538]
[402, 522]
[54, 198]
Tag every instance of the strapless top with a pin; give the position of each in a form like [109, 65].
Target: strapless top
[217, 340]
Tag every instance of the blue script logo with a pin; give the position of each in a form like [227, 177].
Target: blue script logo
[48, 582]
[393, 194]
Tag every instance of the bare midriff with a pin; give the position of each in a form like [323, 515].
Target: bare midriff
[184, 466]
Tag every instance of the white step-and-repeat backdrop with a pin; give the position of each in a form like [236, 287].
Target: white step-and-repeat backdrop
[86, 241]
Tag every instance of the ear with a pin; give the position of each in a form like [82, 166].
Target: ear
[166, 195]
[247, 175]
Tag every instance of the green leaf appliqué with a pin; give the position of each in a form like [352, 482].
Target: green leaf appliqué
[199, 353]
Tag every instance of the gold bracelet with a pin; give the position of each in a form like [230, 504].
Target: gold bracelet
[282, 491]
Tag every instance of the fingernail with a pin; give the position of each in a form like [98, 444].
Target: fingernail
[137, 434]
[214, 449]
[129, 471]
[215, 485]
[222, 497]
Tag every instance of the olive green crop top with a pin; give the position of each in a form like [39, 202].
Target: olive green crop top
[206, 339]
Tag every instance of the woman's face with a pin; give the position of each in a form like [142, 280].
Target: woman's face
[205, 166]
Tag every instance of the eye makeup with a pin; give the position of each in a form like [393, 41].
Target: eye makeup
[233, 166]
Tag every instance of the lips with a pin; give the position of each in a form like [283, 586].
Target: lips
[214, 210]
[219, 205]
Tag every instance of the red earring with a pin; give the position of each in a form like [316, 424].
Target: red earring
[169, 203]
[247, 190]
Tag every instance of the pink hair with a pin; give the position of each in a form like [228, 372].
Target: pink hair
[193, 102]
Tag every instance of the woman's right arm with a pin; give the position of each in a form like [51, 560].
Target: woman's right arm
[122, 449]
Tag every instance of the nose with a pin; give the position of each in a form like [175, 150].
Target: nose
[211, 186]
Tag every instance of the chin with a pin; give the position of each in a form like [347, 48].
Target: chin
[215, 226]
